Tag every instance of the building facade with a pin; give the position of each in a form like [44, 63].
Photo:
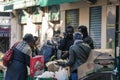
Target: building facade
[5, 28]
[40, 17]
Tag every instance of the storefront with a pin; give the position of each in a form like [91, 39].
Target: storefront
[92, 15]
[5, 28]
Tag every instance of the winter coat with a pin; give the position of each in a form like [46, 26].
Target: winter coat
[17, 70]
[65, 45]
[47, 50]
[78, 54]
[89, 41]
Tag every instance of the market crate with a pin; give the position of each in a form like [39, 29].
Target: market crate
[1, 76]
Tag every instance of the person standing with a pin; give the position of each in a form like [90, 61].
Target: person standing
[17, 70]
[35, 50]
[86, 38]
[66, 42]
[78, 54]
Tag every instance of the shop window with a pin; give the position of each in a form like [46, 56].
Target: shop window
[72, 18]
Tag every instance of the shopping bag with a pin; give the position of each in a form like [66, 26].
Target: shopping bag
[8, 55]
[36, 65]
[61, 74]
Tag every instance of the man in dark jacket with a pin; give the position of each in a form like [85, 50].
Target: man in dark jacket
[86, 38]
[66, 42]
[78, 54]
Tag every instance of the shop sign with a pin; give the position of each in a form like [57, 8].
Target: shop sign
[36, 18]
[5, 21]
[54, 13]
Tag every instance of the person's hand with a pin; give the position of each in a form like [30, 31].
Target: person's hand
[60, 63]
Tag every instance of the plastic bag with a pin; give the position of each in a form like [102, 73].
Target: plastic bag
[61, 74]
[36, 65]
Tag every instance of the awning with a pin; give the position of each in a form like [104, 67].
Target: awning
[43, 3]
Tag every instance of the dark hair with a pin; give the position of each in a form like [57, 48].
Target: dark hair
[83, 30]
[69, 27]
[35, 38]
[28, 38]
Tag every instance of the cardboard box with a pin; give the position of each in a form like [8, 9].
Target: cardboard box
[52, 67]
[90, 66]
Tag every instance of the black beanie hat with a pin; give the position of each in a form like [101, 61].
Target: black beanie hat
[28, 37]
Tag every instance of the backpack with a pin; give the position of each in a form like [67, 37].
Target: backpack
[8, 56]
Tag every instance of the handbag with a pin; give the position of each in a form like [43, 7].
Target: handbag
[8, 55]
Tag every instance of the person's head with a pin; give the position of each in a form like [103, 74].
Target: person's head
[36, 40]
[83, 29]
[64, 34]
[29, 39]
[69, 31]
[77, 36]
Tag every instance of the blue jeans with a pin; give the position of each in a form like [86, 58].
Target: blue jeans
[74, 76]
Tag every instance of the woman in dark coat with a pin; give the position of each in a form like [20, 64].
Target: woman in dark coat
[17, 70]
[86, 38]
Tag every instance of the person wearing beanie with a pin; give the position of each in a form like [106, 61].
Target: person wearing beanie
[17, 70]
[78, 54]
[86, 38]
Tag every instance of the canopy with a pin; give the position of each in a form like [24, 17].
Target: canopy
[43, 3]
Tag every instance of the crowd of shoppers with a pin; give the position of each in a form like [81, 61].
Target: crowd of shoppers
[17, 70]
[74, 46]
